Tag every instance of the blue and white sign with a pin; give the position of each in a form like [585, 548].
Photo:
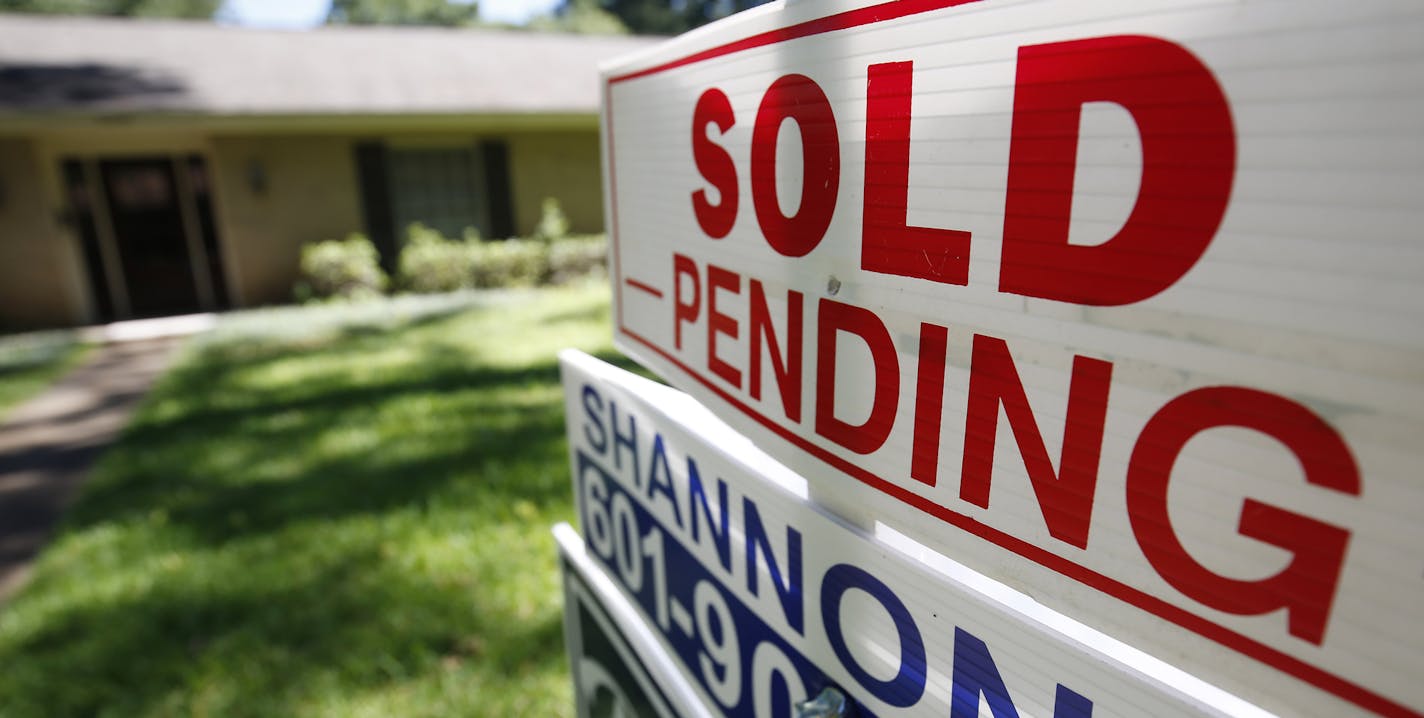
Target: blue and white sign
[763, 600]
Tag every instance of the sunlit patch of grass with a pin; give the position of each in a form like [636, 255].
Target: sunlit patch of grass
[29, 363]
[348, 519]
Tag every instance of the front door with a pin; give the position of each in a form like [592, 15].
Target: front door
[149, 233]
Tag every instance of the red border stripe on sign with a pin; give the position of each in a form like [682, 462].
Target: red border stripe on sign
[840, 21]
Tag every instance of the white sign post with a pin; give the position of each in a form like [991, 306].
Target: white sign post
[1119, 303]
[763, 601]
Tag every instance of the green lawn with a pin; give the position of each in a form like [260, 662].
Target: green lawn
[332, 511]
[29, 363]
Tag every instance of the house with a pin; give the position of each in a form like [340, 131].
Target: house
[164, 167]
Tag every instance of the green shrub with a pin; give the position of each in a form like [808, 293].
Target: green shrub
[553, 224]
[509, 263]
[575, 257]
[348, 268]
[431, 263]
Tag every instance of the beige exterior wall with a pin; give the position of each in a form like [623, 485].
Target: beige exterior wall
[313, 193]
[309, 191]
[310, 194]
[38, 262]
[563, 165]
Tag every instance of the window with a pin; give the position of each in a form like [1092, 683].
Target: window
[440, 188]
[446, 188]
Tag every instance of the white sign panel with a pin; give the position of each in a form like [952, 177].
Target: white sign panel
[1121, 303]
[764, 601]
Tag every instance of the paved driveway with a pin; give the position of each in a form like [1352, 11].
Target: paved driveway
[48, 444]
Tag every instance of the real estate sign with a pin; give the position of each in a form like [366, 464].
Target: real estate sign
[762, 600]
[1119, 303]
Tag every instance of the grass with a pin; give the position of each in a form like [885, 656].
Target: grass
[322, 512]
[31, 362]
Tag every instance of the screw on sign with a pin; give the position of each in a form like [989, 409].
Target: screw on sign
[855, 231]
[829, 703]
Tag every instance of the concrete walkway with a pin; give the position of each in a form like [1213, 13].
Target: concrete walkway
[48, 444]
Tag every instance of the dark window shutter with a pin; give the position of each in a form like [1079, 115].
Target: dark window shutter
[197, 169]
[80, 211]
[501, 201]
[374, 181]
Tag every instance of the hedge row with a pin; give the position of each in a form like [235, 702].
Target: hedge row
[430, 262]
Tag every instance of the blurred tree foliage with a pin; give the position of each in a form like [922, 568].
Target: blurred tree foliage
[403, 12]
[642, 17]
[585, 17]
[665, 17]
[134, 8]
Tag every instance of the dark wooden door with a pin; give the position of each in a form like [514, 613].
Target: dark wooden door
[148, 227]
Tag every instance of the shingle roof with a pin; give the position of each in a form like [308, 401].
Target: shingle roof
[100, 66]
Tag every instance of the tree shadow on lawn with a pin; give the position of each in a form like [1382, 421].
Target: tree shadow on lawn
[283, 509]
[274, 648]
[226, 469]
[229, 472]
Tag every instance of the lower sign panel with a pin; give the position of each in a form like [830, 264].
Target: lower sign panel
[613, 677]
[763, 600]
